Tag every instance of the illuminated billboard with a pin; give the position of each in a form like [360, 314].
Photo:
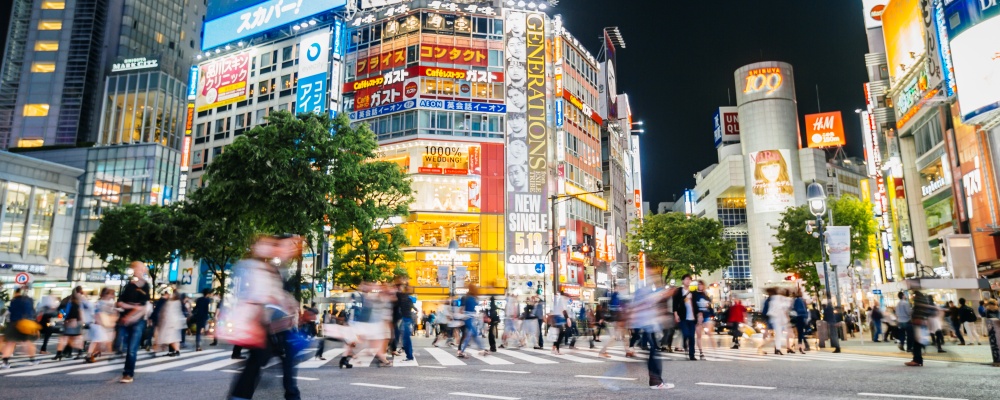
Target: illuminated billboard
[974, 53]
[873, 10]
[727, 125]
[767, 82]
[223, 81]
[825, 130]
[902, 25]
[248, 18]
[772, 181]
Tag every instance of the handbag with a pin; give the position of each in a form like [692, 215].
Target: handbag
[340, 332]
[553, 335]
[297, 340]
[242, 326]
[28, 327]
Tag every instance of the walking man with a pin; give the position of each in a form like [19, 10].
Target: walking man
[904, 314]
[684, 313]
[134, 299]
[647, 315]
[968, 318]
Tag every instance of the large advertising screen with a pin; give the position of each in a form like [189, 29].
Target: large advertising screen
[223, 81]
[903, 27]
[773, 190]
[248, 18]
[975, 57]
[825, 130]
[527, 136]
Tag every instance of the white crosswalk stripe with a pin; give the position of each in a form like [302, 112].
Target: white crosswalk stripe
[218, 360]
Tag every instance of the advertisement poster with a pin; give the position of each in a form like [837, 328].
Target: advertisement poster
[314, 58]
[445, 160]
[838, 239]
[772, 182]
[475, 197]
[977, 69]
[903, 27]
[527, 136]
[223, 81]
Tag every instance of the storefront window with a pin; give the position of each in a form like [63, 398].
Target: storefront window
[15, 217]
[431, 268]
[42, 215]
[934, 177]
[439, 234]
[939, 216]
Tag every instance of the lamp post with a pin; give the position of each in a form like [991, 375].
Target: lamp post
[816, 198]
[453, 249]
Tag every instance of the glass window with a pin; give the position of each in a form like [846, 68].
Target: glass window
[49, 25]
[286, 82]
[42, 215]
[23, 142]
[46, 45]
[36, 110]
[43, 66]
[265, 60]
[286, 53]
[15, 217]
[53, 5]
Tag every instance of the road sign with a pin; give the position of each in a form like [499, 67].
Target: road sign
[540, 268]
[529, 283]
[877, 291]
[22, 278]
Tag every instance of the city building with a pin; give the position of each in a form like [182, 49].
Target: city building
[36, 221]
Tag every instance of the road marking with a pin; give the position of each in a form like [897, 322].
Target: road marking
[526, 357]
[491, 360]
[735, 386]
[182, 362]
[433, 366]
[606, 377]
[401, 362]
[316, 363]
[505, 371]
[566, 357]
[215, 365]
[363, 360]
[483, 396]
[903, 396]
[444, 357]
[378, 386]
[231, 371]
[301, 378]
[596, 353]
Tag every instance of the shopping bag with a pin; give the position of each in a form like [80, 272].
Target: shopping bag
[340, 332]
[28, 327]
[241, 326]
[553, 335]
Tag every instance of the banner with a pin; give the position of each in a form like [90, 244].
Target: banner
[314, 57]
[223, 81]
[838, 239]
[527, 138]
[772, 182]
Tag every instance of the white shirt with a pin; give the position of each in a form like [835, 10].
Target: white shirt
[688, 305]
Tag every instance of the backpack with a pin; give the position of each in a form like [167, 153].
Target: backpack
[968, 315]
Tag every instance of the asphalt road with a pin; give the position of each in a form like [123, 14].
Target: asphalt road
[732, 375]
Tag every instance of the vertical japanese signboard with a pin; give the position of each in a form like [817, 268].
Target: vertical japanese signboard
[527, 138]
[314, 58]
[223, 81]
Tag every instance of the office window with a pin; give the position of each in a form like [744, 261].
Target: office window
[46, 45]
[15, 218]
[36, 110]
[42, 215]
[53, 5]
[49, 25]
[43, 66]
[30, 142]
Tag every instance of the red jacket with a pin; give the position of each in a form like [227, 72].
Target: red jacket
[737, 313]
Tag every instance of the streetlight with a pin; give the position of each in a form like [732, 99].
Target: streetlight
[453, 249]
[816, 197]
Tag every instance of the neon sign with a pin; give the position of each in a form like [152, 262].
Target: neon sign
[766, 80]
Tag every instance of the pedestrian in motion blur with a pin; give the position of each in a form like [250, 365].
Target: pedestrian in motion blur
[134, 303]
[262, 292]
[200, 315]
[735, 317]
[647, 315]
[102, 330]
[21, 329]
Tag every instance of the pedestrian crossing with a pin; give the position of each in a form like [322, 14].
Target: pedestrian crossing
[431, 357]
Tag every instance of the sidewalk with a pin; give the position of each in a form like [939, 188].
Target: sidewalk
[953, 351]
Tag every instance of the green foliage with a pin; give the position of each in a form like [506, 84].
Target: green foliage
[216, 236]
[138, 232]
[798, 251]
[681, 244]
[371, 198]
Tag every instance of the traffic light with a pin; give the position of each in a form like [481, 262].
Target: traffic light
[582, 248]
[792, 277]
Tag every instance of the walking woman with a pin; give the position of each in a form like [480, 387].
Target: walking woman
[168, 328]
[799, 313]
[22, 317]
[777, 314]
[469, 315]
[102, 330]
[72, 334]
[706, 319]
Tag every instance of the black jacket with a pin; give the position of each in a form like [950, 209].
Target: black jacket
[681, 309]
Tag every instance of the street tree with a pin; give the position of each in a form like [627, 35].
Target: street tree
[372, 198]
[798, 251]
[277, 179]
[682, 244]
[152, 234]
[216, 236]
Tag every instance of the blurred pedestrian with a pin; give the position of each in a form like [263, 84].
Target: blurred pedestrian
[168, 328]
[263, 290]
[685, 307]
[493, 320]
[468, 314]
[511, 321]
[48, 308]
[134, 301]
[200, 316]
[735, 317]
[404, 309]
[904, 315]
[647, 315]
[22, 328]
[968, 318]
[102, 330]
[73, 321]
[799, 315]
[706, 319]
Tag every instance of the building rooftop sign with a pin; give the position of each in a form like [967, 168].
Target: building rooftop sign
[132, 64]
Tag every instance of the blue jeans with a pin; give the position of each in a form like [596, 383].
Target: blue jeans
[877, 329]
[471, 333]
[133, 337]
[905, 335]
[653, 364]
[687, 331]
[405, 330]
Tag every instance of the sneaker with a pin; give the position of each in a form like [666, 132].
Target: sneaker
[126, 379]
[34, 362]
[662, 386]
[408, 360]
[5, 365]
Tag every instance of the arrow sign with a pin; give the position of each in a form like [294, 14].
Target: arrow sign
[22, 278]
[540, 268]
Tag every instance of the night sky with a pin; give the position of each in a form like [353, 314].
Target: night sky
[679, 62]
